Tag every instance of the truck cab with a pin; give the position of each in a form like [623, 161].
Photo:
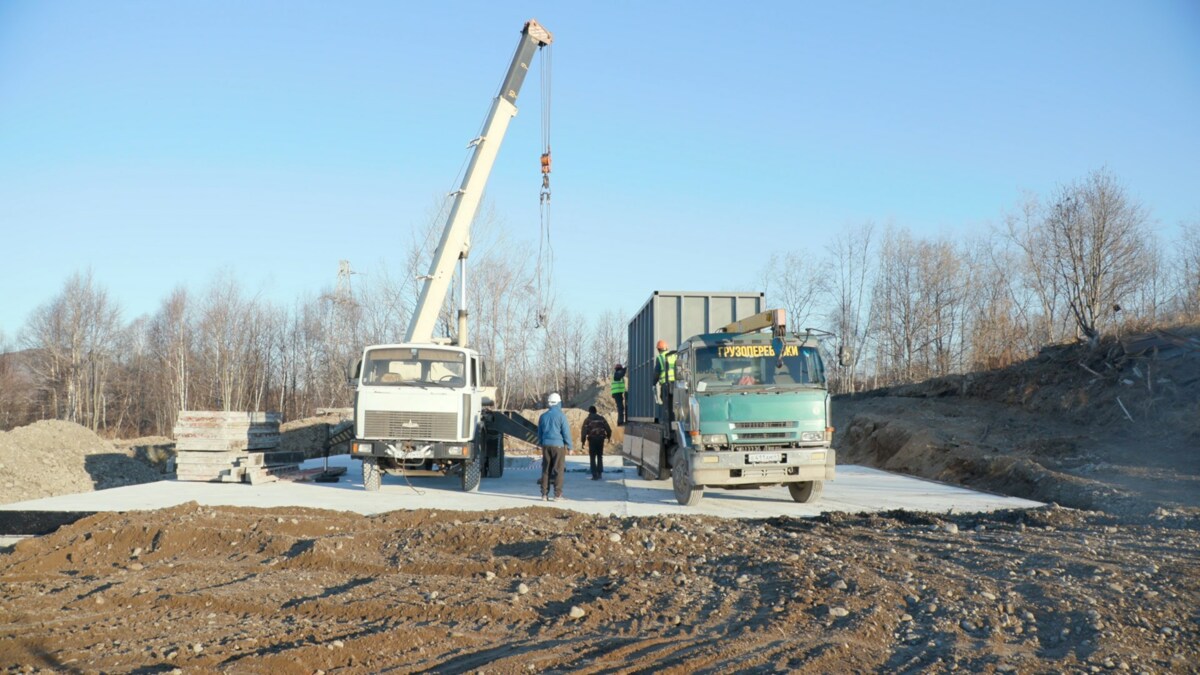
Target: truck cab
[417, 408]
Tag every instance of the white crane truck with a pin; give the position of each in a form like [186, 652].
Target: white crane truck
[420, 406]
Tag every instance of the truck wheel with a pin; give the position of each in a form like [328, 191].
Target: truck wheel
[372, 476]
[685, 493]
[470, 474]
[495, 461]
[806, 492]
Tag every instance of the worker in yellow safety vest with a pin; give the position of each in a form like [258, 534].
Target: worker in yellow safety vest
[664, 374]
[617, 389]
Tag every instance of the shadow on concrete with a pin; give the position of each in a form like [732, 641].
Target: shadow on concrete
[155, 455]
[114, 469]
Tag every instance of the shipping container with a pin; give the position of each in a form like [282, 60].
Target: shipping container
[675, 316]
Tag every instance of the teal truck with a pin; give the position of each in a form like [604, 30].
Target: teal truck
[748, 406]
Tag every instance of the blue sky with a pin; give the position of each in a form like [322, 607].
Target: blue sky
[159, 144]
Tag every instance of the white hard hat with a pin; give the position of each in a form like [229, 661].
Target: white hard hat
[554, 399]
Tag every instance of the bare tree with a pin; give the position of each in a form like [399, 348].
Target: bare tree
[1148, 302]
[998, 331]
[170, 340]
[849, 271]
[1096, 235]
[608, 338]
[73, 338]
[918, 302]
[1187, 272]
[793, 281]
[1047, 317]
[233, 351]
[16, 387]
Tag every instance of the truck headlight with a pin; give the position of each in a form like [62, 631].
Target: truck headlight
[812, 435]
[715, 439]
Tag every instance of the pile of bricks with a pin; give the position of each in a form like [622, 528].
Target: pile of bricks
[231, 447]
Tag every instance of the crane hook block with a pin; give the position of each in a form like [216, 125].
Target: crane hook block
[545, 162]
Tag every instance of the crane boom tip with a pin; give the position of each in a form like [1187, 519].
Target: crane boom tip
[538, 32]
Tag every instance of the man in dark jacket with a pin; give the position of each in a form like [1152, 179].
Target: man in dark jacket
[555, 438]
[595, 432]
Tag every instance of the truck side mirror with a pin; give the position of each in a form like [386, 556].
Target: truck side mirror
[353, 373]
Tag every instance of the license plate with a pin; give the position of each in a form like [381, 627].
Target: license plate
[765, 457]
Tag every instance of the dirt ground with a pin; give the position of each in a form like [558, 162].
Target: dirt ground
[1115, 429]
[1109, 584]
[537, 590]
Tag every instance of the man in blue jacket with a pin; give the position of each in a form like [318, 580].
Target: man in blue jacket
[555, 438]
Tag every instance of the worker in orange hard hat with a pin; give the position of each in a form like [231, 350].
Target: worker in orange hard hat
[617, 389]
[664, 375]
[664, 364]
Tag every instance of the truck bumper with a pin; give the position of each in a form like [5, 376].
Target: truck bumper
[736, 468]
[409, 450]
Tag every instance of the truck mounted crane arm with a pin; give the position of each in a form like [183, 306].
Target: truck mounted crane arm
[455, 241]
[775, 319]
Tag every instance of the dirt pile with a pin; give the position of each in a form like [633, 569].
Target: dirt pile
[299, 590]
[52, 457]
[1152, 378]
[1113, 428]
[575, 418]
[308, 435]
[156, 451]
[596, 393]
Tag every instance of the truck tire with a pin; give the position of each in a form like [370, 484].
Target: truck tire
[806, 492]
[494, 466]
[372, 476]
[471, 473]
[647, 473]
[685, 493]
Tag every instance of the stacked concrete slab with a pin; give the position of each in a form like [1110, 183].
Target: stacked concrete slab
[230, 447]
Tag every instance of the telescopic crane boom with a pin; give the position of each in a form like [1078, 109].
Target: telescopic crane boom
[456, 242]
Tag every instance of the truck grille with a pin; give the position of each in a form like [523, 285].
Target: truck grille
[392, 424]
[764, 435]
[762, 425]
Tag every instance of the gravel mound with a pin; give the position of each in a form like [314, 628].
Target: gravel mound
[51, 458]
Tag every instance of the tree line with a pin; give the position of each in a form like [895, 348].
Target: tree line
[1072, 264]
[219, 348]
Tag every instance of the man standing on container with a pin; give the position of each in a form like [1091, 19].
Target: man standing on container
[664, 377]
[617, 389]
[554, 435]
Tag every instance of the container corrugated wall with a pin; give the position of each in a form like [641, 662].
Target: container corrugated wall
[675, 316]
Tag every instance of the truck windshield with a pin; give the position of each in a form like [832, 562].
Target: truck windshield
[414, 366]
[754, 364]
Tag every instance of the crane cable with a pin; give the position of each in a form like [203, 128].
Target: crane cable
[545, 260]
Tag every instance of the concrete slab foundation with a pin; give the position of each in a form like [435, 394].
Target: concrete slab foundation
[621, 492]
